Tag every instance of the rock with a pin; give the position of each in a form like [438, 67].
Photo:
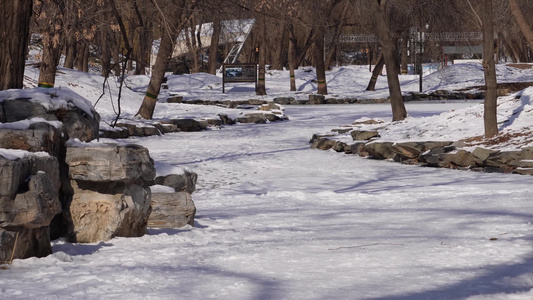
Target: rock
[253, 118]
[481, 154]
[226, 120]
[109, 162]
[411, 150]
[323, 144]
[79, 124]
[185, 182]
[339, 146]
[22, 242]
[115, 133]
[358, 135]
[175, 99]
[22, 109]
[172, 210]
[506, 160]
[100, 211]
[284, 100]
[29, 188]
[38, 137]
[317, 99]
[359, 149]
[463, 158]
[317, 136]
[109, 195]
[379, 150]
[342, 130]
[188, 125]
[34, 208]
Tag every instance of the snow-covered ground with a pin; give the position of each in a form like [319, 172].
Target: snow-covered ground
[278, 220]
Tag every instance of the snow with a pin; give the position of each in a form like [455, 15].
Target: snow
[278, 220]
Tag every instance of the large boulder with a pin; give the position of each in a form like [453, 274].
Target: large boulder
[29, 186]
[412, 150]
[77, 114]
[36, 137]
[99, 211]
[109, 193]
[109, 162]
[380, 150]
[172, 210]
[185, 182]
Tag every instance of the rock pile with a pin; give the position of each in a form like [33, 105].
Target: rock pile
[442, 154]
[56, 181]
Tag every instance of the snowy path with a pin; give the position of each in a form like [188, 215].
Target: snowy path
[278, 220]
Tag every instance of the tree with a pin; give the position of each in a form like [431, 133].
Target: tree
[489, 67]
[14, 39]
[171, 25]
[398, 108]
[50, 16]
[522, 22]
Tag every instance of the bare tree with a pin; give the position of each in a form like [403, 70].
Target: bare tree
[382, 29]
[14, 39]
[173, 16]
[489, 67]
[50, 16]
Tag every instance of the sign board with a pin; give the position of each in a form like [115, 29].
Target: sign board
[238, 73]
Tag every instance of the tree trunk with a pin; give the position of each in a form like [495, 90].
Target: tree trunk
[398, 108]
[14, 39]
[336, 35]
[319, 61]
[404, 47]
[292, 57]
[261, 84]
[378, 68]
[52, 42]
[522, 22]
[213, 48]
[308, 44]
[489, 67]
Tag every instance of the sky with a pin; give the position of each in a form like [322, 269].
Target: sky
[279, 220]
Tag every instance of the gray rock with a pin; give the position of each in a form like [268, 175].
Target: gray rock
[358, 135]
[284, 100]
[38, 137]
[379, 150]
[109, 162]
[317, 99]
[188, 125]
[411, 150]
[323, 144]
[179, 182]
[172, 210]
[22, 242]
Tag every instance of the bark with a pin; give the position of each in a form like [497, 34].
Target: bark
[308, 43]
[292, 57]
[378, 68]
[398, 108]
[319, 61]
[261, 84]
[404, 47]
[525, 28]
[53, 34]
[213, 48]
[169, 35]
[14, 39]
[70, 44]
[336, 35]
[489, 67]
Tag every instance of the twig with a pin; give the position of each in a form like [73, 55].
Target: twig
[360, 246]
[14, 248]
